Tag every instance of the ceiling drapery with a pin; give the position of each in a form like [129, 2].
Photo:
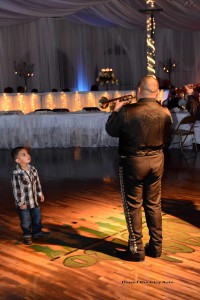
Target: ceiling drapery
[176, 14]
[54, 35]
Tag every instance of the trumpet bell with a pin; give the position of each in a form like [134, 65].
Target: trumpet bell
[103, 102]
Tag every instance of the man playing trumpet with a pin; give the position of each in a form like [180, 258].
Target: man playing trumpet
[142, 129]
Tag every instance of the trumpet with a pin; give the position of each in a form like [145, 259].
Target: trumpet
[104, 102]
[195, 87]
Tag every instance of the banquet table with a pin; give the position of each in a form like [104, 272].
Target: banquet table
[65, 129]
[48, 130]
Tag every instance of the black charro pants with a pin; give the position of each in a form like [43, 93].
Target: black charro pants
[140, 181]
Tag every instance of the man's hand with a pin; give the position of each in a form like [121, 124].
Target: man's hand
[119, 104]
[189, 89]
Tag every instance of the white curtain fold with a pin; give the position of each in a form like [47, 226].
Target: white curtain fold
[71, 53]
[176, 14]
[68, 55]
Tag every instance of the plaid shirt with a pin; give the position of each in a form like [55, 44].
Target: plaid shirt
[26, 186]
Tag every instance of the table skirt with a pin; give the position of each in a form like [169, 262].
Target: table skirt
[60, 130]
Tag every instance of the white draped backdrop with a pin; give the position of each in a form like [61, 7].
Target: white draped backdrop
[70, 41]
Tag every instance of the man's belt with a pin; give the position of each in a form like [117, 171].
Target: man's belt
[144, 151]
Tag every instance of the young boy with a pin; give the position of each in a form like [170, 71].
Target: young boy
[27, 191]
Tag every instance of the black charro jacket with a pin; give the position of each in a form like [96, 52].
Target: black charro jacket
[142, 127]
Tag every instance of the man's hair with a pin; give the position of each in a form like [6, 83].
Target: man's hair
[149, 84]
[15, 152]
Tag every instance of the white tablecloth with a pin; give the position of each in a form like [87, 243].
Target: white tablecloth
[85, 129]
[47, 130]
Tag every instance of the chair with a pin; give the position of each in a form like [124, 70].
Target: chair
[184, 129]
[43, 111]
[91, 108]
[11, 112]
[60, 110]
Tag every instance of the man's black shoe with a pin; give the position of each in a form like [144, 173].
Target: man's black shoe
[150, 252]
[129, 256]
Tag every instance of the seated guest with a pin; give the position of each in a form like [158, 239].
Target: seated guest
[166, 85]
[176, 99]
[94, 87]
[34, 91]
[172, 102]
[8, 89]
[54, 90]
[172, 99]
[20, 89]
[65, 90]
[193, 103]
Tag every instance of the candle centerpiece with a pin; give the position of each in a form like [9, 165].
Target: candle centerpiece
[168, 67]
[25, 71]
[106, 77]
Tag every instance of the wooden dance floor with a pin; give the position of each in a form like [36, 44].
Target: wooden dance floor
[84, 215]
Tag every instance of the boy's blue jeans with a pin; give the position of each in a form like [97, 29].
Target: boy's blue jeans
[30, 219]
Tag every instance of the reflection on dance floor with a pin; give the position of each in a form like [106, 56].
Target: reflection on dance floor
[76, 163]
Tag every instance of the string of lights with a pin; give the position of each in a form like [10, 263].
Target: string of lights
[150, 35]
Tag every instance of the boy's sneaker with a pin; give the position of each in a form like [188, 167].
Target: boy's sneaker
[40, 234]
[27, 240]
